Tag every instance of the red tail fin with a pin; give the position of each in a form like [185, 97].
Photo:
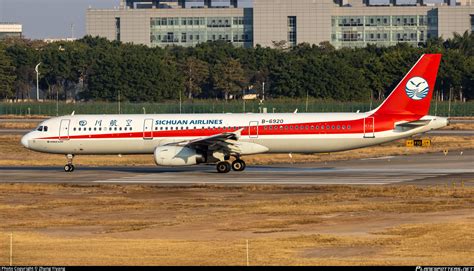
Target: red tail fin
[412, 96]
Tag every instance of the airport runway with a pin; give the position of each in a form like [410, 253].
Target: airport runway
[426, 169]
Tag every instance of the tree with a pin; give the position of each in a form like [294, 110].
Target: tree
[196, 72]
[7, 75]
[228, 77]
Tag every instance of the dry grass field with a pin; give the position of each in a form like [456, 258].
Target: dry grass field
[209, 225]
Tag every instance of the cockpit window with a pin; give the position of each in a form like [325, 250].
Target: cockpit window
[42, 128]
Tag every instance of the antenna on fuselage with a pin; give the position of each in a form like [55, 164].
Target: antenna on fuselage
[296, 111]
[72, 114]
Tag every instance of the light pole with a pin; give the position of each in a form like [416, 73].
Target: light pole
[37, 81]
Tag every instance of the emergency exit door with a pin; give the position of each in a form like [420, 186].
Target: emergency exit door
[253, 129]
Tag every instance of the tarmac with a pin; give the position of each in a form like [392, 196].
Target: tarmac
[425, 169]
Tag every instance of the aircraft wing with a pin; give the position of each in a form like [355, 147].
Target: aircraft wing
[228, 142]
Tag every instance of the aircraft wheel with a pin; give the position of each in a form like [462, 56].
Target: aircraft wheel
[68, 168]
[238, 165]
[223, 167]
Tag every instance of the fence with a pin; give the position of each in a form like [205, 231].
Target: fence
[213, 106]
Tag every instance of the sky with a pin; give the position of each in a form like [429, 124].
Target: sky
[50, 18]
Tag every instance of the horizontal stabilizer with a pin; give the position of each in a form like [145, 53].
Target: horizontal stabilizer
[414, 124]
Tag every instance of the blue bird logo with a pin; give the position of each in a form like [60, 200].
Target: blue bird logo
[417, 88]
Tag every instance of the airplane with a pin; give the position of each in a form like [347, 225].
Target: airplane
[191, 139]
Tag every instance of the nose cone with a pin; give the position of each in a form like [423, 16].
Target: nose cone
[25, 140]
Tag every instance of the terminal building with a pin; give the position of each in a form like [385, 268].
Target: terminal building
[343, 23]
[10, 30]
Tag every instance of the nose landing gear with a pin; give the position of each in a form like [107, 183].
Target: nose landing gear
[69, 167]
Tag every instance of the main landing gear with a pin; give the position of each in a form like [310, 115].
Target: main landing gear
[225, 166]
[69, 167]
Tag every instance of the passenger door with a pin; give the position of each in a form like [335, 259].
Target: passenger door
[64, 130]
[369, 127]
[148, 129]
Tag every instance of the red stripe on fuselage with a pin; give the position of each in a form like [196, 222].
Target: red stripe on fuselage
[381, 123]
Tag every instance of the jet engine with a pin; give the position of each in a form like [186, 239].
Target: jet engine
[177, 156]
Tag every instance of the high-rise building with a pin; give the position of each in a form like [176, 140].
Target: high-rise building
[10, 30]
[352, 23]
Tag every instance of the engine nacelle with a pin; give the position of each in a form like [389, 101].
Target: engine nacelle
[177, 156]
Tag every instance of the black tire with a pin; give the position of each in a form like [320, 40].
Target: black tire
[71, 168]
[238, 165]
[223, 167]
[67, 168]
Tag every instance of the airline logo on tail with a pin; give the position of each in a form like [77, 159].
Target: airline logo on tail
[417, 88]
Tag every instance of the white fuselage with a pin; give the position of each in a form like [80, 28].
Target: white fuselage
[278, 133]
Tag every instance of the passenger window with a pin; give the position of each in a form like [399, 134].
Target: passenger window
[74, 129]
[307, 127]
[322, 127]
[296, 127]
[90, 129]
[291, 127]
[333, 127]
[327, 127]
[100, 128]
[95, 129]
[348, 127]
[339, 127]
[317, 127]
[110, 128]
[312, 127]
[115, 128]
[343, 127]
